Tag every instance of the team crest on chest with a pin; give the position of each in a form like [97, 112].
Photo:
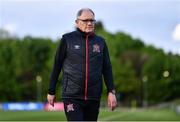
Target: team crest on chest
[96, 48]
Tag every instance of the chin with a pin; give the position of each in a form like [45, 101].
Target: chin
[89, 31]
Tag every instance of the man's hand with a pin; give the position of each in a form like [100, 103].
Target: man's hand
[112, 103]
[51, 99]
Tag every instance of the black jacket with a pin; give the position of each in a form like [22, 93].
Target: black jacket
[84, 58]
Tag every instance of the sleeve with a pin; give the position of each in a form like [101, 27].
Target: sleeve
[107, 70]
[58, 62]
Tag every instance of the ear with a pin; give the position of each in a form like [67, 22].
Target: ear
[76, 21]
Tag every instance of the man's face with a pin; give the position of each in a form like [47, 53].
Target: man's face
[86, 22]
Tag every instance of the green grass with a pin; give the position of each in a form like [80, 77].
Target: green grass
[118, 115]
[139, 115]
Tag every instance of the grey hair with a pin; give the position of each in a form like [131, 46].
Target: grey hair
[84, 9]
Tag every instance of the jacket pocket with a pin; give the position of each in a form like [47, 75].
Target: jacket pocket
[66, 83]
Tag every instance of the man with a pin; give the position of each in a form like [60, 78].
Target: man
[84, 58]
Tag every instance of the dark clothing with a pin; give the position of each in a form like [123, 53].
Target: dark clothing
[81, 110]
[84, 58]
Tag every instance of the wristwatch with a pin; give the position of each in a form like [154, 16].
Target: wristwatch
[113, 92]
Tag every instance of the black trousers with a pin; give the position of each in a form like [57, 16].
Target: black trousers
[81, 110]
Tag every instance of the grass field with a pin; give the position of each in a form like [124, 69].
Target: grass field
[105, 115]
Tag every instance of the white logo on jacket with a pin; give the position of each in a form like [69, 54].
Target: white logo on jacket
[96, 48]
[76, 47]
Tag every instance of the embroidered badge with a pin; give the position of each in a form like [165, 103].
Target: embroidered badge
[76, 47]
[70, 107]
[96, 48]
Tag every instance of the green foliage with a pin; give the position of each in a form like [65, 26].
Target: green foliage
[22, 60]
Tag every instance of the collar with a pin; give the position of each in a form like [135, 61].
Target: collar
[84, 34]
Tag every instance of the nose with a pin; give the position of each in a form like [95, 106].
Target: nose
[89, 22]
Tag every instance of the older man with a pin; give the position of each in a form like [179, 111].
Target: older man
[84, 58]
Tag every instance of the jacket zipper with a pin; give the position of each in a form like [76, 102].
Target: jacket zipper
[86, 81]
